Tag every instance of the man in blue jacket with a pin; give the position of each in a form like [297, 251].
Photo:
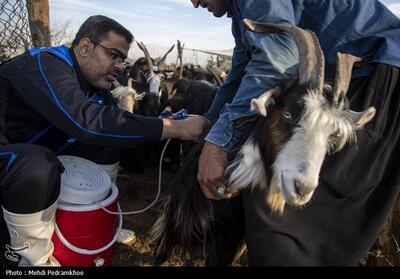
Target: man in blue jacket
[56, 101]
[356, 195]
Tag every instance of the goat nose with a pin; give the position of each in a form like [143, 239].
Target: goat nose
[302, 189]
[299, 188]
[302, 168]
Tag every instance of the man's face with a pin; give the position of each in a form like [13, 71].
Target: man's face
[105, 60]
[217, 7]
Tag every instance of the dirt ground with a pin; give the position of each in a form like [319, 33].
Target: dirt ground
[136, 191]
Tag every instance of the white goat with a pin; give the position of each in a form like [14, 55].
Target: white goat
[126, 95]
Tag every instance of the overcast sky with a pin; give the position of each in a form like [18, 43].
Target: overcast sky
[158, 21]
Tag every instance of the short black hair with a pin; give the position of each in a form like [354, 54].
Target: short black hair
[96, 28]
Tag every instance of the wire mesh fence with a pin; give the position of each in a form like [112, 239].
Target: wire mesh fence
[15, 36]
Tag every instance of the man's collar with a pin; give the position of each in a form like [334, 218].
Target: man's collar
[85, 87]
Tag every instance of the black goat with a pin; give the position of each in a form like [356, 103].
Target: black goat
[192, 72]
[194, 223]
[148, 78]
[300, 122]
[196, 97]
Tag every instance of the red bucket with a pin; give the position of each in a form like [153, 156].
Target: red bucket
[85, 234]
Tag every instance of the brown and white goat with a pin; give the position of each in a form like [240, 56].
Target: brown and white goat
[299, 122]
[313, 119]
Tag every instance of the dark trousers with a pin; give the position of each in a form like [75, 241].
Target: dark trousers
[30, 174]
[29, 183]
[30, 177]
[357, 190]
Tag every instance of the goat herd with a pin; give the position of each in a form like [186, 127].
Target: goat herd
[307, 117]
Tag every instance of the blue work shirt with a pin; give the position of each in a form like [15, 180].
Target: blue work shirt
[262, 60]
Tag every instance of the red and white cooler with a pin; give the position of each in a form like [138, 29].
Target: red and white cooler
[86, 224]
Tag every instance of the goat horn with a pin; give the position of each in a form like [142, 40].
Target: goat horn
[311, 57]
[215, 75]
[161, 63]
[147, 55]
[344, 68]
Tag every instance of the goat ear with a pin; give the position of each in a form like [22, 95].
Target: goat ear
[260, 104]
[139, 97]
[361, 118]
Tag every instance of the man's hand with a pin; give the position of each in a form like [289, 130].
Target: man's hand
[211, 175]
[191, 128]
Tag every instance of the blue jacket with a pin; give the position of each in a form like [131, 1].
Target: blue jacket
[45, 100]
[262, 60]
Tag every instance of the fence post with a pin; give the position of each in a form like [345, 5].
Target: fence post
[180, 57]
[38, 15]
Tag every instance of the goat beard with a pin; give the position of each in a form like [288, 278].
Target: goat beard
[275, 199]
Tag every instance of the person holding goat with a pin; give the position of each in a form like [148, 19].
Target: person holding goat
[358, 185]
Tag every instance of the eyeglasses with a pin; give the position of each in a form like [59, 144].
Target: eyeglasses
[114, 54]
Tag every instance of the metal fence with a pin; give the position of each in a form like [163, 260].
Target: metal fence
[15, 36]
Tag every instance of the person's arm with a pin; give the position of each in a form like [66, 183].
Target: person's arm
[50, 87]
[227, 91]
[274, 57]
[191, 128]
[214, 159]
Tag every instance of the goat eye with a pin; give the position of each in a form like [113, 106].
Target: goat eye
[287, 115]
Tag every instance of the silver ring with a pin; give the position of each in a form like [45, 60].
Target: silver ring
[221, 191]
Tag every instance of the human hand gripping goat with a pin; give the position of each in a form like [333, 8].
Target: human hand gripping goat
[211, 175]
[126, 95]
